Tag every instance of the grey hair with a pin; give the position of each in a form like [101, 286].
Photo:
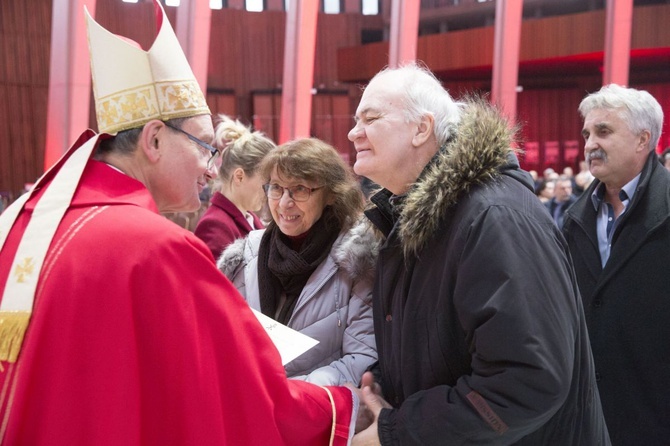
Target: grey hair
[423, 94]
[637, 107]
[125, 142]
[240, 147]
[563, 178]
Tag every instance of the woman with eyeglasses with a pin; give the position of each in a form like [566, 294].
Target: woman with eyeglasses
[313, 267]
[231, 214]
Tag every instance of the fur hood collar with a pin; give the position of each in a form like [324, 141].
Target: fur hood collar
[476, 154]
[355, 251]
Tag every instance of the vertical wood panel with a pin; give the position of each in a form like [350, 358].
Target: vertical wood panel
[342, 123]
[25, 29]
[266, 114]
[222, 103]
[322, 117]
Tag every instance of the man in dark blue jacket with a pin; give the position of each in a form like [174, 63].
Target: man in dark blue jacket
[562, 199]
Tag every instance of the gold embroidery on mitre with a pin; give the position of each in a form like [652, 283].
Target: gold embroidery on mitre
[23, 271]
[13, 326]
[133, 108]
[176, 98]
[127, 109]
[107, 113]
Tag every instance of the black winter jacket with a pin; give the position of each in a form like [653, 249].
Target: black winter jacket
[479, 325]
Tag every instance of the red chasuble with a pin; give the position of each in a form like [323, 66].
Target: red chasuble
[137, 339]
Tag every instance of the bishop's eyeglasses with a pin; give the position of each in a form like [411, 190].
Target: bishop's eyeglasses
[215, 153]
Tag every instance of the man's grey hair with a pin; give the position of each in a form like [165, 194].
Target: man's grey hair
[423, 94]
[636, 107]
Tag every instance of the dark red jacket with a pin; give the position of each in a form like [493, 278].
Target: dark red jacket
[222, 224]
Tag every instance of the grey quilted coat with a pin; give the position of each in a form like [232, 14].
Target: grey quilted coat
[335, 306]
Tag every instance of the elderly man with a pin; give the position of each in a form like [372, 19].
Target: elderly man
[619, 237]
[116, 328]
[480, 330]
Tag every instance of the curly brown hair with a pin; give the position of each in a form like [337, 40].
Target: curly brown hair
[316, 161]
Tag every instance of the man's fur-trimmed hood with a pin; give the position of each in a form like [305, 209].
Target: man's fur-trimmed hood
[355, 251]
[480, 148]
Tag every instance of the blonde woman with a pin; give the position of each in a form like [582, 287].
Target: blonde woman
[231, 213]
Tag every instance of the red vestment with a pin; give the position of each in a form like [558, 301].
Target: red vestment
[137, 339]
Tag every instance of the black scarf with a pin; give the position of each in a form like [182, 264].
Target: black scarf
[283, 270]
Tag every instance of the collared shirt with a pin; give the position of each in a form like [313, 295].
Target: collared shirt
[606, 222]
[558, 213]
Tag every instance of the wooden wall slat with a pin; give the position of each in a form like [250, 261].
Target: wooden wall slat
[222, 103]
[650, 27]
[546, 38]
[342, 122]
[265, 118]
[25, 33]
[6, 152]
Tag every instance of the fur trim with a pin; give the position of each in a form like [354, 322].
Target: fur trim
[357, 251]
[231, 257]
[480, 147]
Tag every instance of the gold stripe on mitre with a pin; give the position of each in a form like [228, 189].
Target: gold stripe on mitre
[13, 326]
[133, 108]
[180, 99]
[127, 109]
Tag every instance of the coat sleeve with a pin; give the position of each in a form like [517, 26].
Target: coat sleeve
[516, 303]
[359, 349]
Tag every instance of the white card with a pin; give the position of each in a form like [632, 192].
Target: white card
[289, 342]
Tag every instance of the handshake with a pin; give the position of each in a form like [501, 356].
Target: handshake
[371, 405]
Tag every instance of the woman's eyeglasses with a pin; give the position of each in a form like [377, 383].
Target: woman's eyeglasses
[296, 193]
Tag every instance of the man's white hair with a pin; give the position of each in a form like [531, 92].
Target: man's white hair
[636, 107]
[423, 94]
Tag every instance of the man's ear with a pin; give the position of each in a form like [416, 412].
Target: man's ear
[153, 133]
[424, 130]
[645, 136]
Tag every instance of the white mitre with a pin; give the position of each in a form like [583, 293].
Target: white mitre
[132, 86]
